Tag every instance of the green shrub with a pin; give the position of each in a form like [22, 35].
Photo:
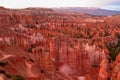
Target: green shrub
[114, 49]
[18, 77]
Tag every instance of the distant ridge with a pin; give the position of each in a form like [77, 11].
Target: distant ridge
[39, 8]
[85, 10]
[88, 10]
[2, 8]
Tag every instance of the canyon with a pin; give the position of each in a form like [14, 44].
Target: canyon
[43, 44]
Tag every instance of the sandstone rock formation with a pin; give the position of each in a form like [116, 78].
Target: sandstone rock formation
[41, 44]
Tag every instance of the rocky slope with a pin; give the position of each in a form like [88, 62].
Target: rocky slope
[41, 44]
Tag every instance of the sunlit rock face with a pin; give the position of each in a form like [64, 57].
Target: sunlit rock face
[103, 72]
[81, 58]
[41, 44]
